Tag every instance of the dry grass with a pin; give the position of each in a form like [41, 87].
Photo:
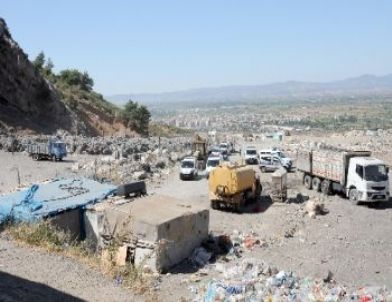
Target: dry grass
[45, 235]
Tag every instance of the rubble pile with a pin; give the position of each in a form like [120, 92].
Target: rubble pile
[151, 165]
[118, 146]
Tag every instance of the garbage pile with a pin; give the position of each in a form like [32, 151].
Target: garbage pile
[254, 280]
[225, 247]
[236, 277]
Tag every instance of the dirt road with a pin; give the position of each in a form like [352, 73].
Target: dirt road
[353, 242]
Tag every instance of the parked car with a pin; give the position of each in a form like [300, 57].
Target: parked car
[268, 163]
[215, 151]
[188, 168]
[212, 163]
[224, 149]
[250, 155]
[286, 161]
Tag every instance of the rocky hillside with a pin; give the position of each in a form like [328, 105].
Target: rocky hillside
[29, 102]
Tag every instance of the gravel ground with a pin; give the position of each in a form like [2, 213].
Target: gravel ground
[353, 242]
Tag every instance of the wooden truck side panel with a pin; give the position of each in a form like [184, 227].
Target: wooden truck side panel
[328, 164]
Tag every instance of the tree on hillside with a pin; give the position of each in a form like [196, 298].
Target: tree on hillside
[137, 117]
[144, 119]
[73, 77]
[39, 61]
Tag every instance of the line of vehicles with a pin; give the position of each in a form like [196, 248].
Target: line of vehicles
[212, 158]
[354, 174]
[268, 160]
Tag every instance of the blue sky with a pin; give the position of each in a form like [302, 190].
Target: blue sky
[155, 46]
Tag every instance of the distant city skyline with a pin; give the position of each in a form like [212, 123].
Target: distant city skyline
[159, 46]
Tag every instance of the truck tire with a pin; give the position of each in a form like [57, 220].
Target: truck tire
[308, 182]
[36, 157]
[353, 196]
[316, 184]
[214, 204]
[263, 169]
[237, 207]
[326, 187]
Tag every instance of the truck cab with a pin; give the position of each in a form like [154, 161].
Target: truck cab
[188, 169]
[58, 149]
[367, 180]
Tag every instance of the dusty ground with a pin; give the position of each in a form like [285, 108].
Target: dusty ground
[353, 242]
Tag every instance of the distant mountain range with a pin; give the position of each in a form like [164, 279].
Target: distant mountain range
[364, 85]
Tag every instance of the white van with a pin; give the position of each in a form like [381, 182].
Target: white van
[250, 155]
[188, 168]
[212, 163]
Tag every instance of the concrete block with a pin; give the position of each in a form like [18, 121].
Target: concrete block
[70, 222]
[146, 257]
[172, 227]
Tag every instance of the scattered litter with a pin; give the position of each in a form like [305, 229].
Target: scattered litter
[315, 207]
[200, 256]
[253, 280]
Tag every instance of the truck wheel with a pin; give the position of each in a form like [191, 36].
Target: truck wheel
[263, 169]
[214, 204]
[308, 182]
[36, 157]
[326, 187]
[316, 184]
[237, 208]
[353, 196]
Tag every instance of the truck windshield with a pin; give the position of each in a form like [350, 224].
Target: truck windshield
[213, 162]
[187, 164]
[59, 146]
[376, 173]
[251, 152]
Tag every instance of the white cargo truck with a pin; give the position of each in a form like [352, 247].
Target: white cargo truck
[356, 174]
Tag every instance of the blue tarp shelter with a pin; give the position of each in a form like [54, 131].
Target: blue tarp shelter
[51, 198]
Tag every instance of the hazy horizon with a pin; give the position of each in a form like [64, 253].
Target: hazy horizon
[153, 47]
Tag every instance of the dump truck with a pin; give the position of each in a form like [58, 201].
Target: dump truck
[232, 186]
[355, 174]
[199, 148]
[54, 149]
